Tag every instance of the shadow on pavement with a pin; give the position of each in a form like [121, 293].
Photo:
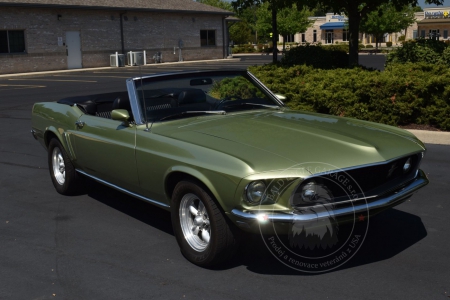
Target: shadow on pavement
[390, 233]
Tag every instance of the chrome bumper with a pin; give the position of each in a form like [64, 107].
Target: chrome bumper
[372, 206]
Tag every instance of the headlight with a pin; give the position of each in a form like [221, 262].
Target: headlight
[309, 192]
[407, 165]
[255, 191]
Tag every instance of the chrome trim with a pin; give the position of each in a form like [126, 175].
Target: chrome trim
[33, 133]
[135, 108]
[281, 103]
[361, 166]
[385, 202]
[163, 205]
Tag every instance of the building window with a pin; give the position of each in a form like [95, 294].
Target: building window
[12, 41]
[445, 36]
[345, 35]
[207, 37]
[422, 33]
[414, 34]
[314, 35]
[303, 38]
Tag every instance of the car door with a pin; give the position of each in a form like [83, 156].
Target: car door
[105, 148]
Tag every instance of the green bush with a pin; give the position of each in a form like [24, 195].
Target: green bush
[368, 46]
[244, 48]
[388, 44]
[323, 57]
[421, 50]
[401, 38]
[403, 94]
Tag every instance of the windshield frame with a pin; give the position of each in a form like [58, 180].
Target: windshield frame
[133, 84]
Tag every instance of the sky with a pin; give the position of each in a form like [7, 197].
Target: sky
[422, 3]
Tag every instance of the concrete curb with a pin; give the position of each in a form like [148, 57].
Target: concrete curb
[432, 137]
[113, 68]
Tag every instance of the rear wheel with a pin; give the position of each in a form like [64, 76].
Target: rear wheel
[203, 233]
[62, 172]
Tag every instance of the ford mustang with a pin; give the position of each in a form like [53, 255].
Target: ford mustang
[223, 154]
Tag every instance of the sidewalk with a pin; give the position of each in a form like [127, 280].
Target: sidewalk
[432, 137]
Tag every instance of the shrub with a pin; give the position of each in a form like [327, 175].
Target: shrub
[368, 46]
[401, 38]
[402, 94]
[323, 57]
[388, 44]
[421, 50]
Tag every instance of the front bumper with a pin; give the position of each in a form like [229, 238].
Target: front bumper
[372, 206]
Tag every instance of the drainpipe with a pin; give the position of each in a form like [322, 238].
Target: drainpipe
[224, 38]
[121, 32]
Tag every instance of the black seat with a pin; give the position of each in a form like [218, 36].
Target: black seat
[121, 103]
[191, 96]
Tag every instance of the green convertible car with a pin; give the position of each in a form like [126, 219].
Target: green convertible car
[223, 154]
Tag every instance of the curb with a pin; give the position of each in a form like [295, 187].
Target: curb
[432, 137]
[113, 68]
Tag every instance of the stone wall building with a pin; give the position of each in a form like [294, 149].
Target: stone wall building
[40, 35]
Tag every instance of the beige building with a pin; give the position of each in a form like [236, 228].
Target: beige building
[39, 35]
[329, 29]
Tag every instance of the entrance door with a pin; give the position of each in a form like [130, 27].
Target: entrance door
[73, 45]
[329, 38]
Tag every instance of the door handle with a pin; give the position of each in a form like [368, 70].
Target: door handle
[79, 124]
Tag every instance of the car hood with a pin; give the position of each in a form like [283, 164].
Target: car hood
[270, 140]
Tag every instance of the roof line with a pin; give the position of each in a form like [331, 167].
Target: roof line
[225, 13]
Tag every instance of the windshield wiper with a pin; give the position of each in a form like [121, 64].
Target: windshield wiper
[197, 112]
[252, 104]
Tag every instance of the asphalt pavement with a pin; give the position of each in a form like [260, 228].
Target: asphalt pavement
[106, 245]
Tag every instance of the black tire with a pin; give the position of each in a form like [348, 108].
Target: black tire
[223, 241]
[66, 181]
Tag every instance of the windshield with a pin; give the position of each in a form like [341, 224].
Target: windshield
[187, 95]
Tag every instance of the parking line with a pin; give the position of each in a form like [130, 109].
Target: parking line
[19, 87]
[91, 76]
[53, 80]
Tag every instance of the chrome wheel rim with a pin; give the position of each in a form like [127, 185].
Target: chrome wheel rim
[59, 168]
[194, 222]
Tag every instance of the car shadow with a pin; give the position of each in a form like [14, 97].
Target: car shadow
[389, 234]
[135, 208]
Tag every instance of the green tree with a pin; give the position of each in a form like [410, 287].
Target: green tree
[291, 20]
[387, 19]
[240, 32]
[356, 11]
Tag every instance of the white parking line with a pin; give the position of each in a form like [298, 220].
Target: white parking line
[53, 80]
[98, 76]
[19, 87]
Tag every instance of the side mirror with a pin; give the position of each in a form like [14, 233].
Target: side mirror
[121, 115]
[280, 97]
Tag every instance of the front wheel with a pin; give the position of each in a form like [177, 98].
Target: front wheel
[62, 172]
[202, 231]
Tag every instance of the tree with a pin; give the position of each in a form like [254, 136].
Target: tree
[387, 19]
[356, 11]
[274, 6]
[291, 20]
[240, 32]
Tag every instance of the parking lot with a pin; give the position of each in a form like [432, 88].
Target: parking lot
[106, 245]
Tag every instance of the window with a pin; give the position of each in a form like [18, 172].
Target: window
[345, 35]
[12, 41]
[314, 36]
[422, 33]
[303, 38]
[414, 34]
[445, 36]
[207, 37]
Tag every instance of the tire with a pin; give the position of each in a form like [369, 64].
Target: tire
[62, 172]
[202, 231]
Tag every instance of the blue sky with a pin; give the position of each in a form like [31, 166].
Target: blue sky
[422, 3]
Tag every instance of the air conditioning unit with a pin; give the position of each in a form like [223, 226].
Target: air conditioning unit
[135, 58]
[117, 60]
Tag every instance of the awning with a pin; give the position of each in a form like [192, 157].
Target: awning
[333, 25]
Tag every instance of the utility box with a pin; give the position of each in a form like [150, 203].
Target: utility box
[117, 60]
[135, 58]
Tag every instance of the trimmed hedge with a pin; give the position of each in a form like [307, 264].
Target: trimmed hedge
[402, 94]
[421, 50]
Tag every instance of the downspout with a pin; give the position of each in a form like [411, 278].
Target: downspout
[121, 32]
[224, 38]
